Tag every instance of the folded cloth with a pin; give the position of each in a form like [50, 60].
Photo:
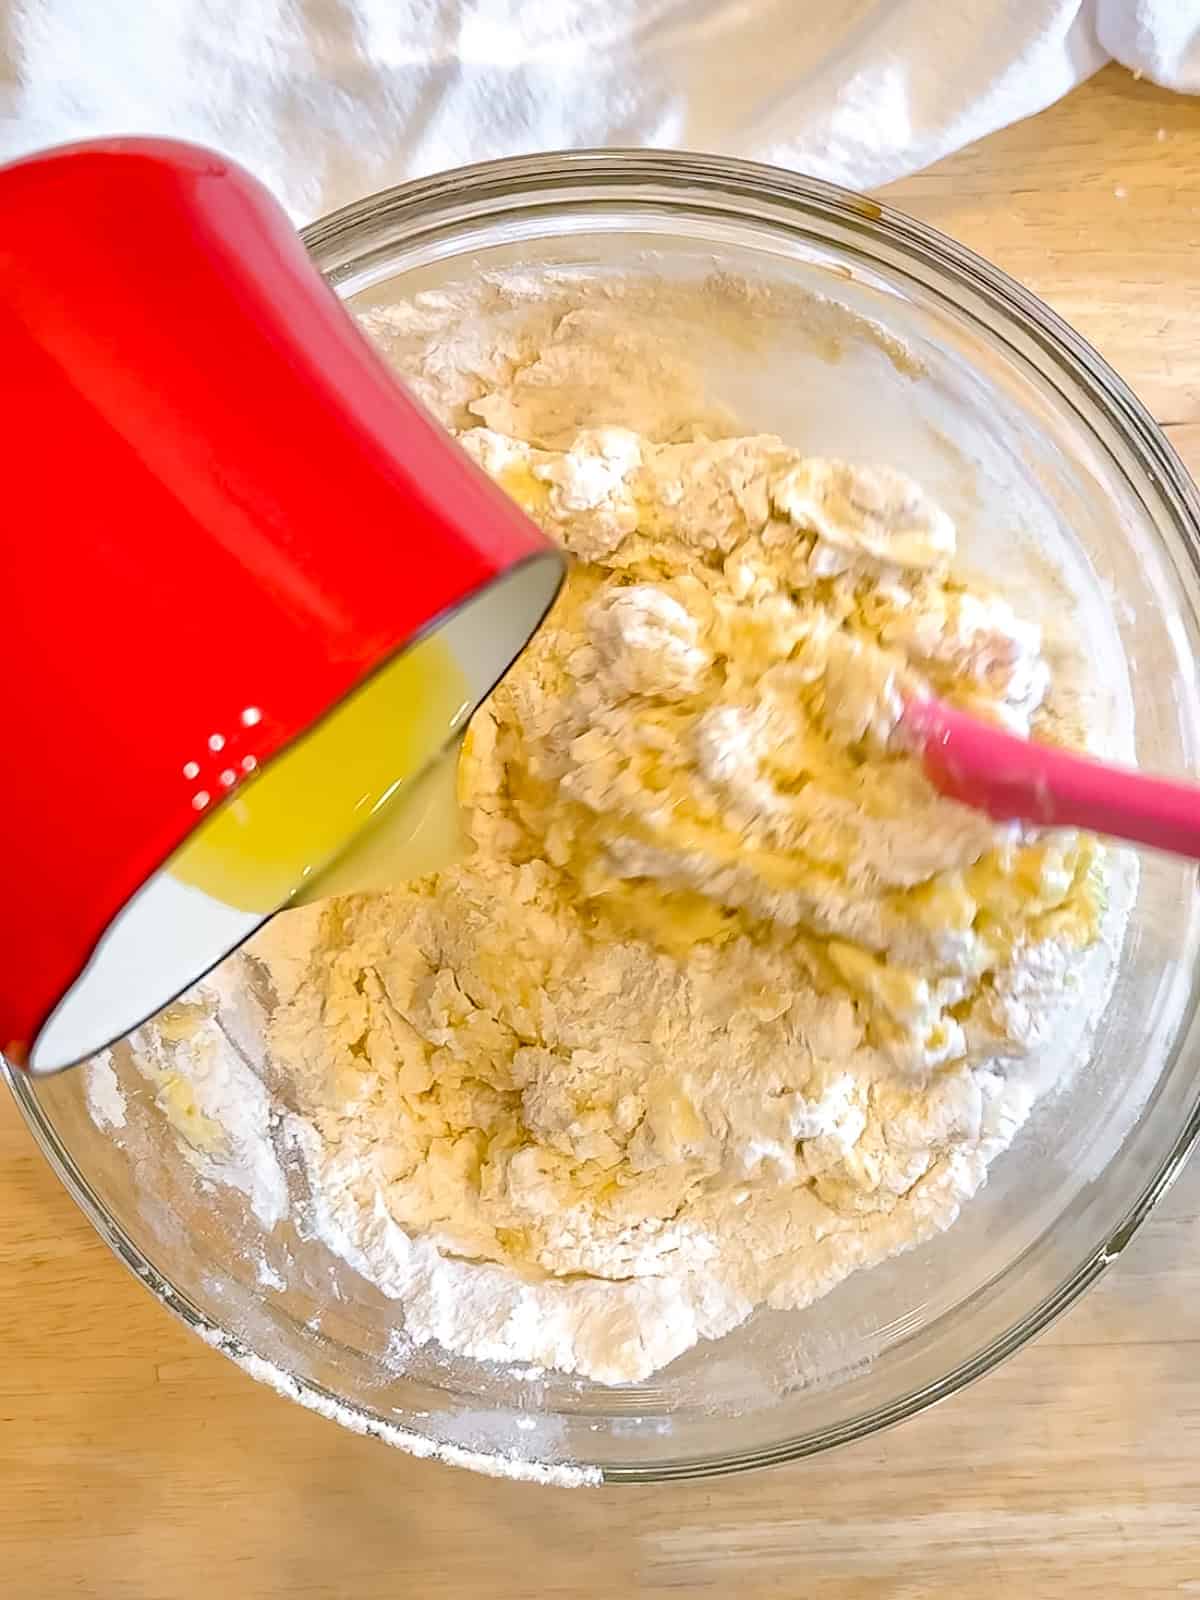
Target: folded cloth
[328, 99]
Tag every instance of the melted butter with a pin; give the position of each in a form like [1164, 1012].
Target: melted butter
[674, 921]
[365, 800]
[420, 832]
[901, 995]
[518, 482]
[177, 1100]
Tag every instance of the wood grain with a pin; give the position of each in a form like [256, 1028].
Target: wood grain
[137, 1465]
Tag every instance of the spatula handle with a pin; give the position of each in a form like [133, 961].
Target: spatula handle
[1011, 778]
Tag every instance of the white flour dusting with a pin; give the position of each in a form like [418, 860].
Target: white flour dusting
[491, 1464]
[105, 1099]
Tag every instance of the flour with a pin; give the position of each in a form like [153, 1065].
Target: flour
[490, 1458]
[219, 1107]
[725, 1003]
[105, 1099]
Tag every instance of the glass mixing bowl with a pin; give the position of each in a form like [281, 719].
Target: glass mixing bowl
[851, 330]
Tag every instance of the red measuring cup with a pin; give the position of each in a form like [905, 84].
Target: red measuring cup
[224, 516]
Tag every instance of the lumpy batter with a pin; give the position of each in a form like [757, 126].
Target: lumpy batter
[725, 1003]
[726, 1000]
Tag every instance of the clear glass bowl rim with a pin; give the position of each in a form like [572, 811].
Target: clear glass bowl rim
[738, 188]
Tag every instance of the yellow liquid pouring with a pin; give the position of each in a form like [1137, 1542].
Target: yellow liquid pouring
[364, 800]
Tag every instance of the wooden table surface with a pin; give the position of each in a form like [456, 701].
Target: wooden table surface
[135, 1464]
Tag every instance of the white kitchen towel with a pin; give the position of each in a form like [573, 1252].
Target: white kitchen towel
[328, 99]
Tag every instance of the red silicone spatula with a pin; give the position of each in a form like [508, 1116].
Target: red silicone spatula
[1014, 779]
